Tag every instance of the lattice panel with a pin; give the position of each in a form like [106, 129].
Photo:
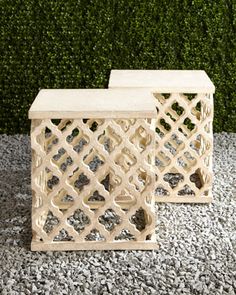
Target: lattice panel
[92, 184]
[184, 143]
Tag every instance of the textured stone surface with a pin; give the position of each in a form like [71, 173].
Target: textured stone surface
[197, 242]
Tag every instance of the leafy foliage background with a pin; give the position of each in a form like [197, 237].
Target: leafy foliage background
[75, 44]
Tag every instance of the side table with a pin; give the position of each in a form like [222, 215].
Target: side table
[92, 175]
[184, 137]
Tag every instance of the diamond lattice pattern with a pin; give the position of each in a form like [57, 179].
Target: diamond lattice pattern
[183, 153]
[90, 178]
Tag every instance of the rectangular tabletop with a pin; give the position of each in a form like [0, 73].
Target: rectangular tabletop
[92, 103]
[163, 81]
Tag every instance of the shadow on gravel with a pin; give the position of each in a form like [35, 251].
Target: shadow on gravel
[15, 204]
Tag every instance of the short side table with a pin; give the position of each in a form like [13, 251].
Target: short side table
[92, 178]
[184, 138]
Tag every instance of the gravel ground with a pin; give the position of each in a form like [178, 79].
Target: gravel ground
[197, 242]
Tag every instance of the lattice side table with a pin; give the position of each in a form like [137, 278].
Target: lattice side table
[92, 177]
[184, 139]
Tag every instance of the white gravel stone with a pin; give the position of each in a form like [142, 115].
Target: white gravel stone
[197, 242]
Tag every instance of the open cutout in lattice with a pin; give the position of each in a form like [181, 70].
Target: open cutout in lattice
[92, 184]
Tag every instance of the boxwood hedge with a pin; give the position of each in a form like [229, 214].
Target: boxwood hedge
[75, 44]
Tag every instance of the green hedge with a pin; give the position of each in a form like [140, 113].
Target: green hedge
[75, 44]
